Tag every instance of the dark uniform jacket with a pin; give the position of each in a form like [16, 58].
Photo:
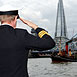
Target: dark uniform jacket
[14, 47]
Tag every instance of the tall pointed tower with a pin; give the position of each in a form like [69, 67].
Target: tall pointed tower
[61, 30]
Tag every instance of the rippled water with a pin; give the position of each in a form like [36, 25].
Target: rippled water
[43, 67]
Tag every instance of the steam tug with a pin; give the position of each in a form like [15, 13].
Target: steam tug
[67, 55]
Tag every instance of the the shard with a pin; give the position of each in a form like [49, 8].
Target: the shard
[61, 30]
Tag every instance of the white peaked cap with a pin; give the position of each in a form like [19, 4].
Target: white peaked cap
[8, 10]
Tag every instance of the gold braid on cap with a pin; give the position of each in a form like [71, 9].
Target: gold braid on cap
[42, 33]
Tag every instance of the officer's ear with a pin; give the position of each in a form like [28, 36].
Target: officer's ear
[16, 17]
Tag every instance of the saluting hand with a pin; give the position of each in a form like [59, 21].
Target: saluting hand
[29, 23]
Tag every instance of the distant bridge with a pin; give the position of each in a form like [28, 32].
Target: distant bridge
[46, 53]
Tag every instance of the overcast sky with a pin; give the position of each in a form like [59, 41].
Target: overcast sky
[44, 12]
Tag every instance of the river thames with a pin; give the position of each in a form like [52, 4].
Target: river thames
[43, 67]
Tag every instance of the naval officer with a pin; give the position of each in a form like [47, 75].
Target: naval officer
[15, 44]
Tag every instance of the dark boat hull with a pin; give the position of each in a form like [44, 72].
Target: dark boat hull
[62, 59]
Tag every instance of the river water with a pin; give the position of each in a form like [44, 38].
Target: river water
[43, 67]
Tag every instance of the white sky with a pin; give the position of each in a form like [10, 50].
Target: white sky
[44, 12]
